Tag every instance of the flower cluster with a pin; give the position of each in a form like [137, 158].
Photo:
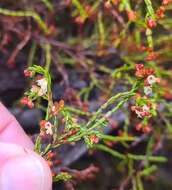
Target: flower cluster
[142, 72]
[57, 107]
[28, 73]
[145, 128]
[132, 15]
[148, 76]
[46, 128]
[152, 22]
[166, 2]
[151, 55]
[145, 106]
[39, 88]
[94, 139]
[27, 102]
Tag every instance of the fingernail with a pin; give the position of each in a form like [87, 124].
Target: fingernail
[25, 173]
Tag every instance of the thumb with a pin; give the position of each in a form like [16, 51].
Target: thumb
[22, 169]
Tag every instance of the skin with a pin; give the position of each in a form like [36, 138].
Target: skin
[20, 167]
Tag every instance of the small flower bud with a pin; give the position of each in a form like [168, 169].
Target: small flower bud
[151, 79]
[94, 139]
[132, 16]
[151, 23]
[166, 2]
[27, 102]
[28, 73]
[43, 84]
[147, 90]
[139, 67]
[108, 4]
[47, 126]
[147, 129]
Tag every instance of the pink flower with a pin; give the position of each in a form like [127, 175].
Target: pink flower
[27, 102]
[47, 126]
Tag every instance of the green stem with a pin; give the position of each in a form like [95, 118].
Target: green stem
[150, 8]
[109, 113]
[110, 151]
[48, 56]
[77, 111]
[105, 105]
[118, 139]
[31, 54]
[80, 8]
[48, 4]
[150, 158]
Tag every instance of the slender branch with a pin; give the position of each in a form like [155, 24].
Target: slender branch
[31, 14]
